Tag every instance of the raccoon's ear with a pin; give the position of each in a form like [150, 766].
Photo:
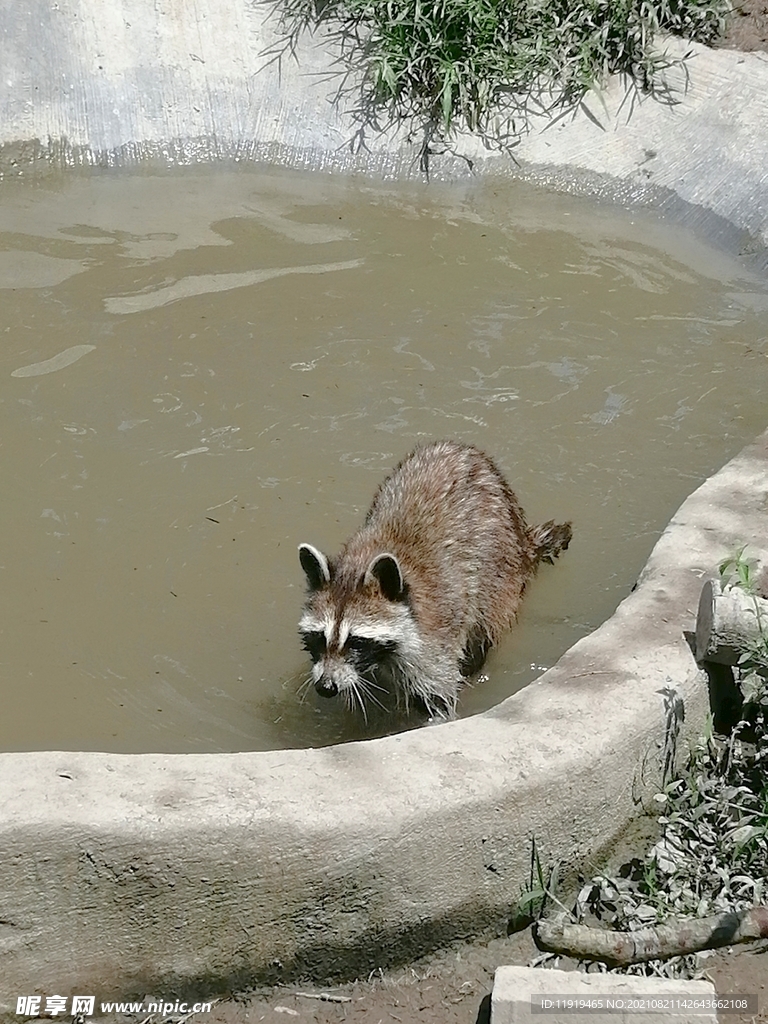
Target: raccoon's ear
[385, 569]
[315, 565]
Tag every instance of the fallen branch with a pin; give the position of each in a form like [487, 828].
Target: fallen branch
[326, 997]
[676, 938]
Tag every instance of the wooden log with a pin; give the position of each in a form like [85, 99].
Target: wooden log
[674, 938]
[729, 622]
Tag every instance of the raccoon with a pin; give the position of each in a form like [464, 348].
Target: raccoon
[418, 596]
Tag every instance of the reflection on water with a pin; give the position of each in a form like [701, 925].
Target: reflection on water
[202, 369]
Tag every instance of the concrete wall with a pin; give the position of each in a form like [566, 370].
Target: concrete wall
[127, 874]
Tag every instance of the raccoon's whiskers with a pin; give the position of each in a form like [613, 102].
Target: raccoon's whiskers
[303, 689]
[360, 694]
[355, 693]
[367, 687]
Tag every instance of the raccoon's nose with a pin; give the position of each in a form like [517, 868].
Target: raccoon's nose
[326, 688]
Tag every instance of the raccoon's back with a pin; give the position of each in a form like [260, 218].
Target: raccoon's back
[445, 492]
[458, 530]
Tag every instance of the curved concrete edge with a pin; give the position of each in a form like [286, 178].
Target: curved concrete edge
[125, 874]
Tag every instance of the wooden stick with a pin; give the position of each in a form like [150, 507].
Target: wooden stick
[326, 997]
[675, 938]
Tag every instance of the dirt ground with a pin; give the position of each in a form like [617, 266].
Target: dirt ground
[450, 988]
[749, 26]
[454, 987]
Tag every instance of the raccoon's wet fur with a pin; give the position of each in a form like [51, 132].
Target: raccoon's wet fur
[417, 597]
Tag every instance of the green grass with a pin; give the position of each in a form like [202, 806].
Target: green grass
[712, 851]
[454, 63]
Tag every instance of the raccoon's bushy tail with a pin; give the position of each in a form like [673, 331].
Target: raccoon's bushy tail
[549, 540]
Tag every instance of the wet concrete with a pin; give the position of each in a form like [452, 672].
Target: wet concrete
[87, 82]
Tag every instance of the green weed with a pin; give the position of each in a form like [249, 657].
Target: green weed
[534, 897]
[455, 63]
[739, 571]
[712, 852]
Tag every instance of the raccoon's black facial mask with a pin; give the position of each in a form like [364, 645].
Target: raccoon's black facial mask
[314, 642]
[366, 653]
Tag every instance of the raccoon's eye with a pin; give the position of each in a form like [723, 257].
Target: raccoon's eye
[314, 642]
[369, 650]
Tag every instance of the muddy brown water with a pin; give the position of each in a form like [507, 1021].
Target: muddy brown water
[201, 369]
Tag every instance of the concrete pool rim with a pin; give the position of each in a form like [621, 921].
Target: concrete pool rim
[125, 874]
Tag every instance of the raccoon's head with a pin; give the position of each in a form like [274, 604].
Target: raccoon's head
[357, 625]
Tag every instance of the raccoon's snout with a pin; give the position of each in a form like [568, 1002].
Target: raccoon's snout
[326, 687]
